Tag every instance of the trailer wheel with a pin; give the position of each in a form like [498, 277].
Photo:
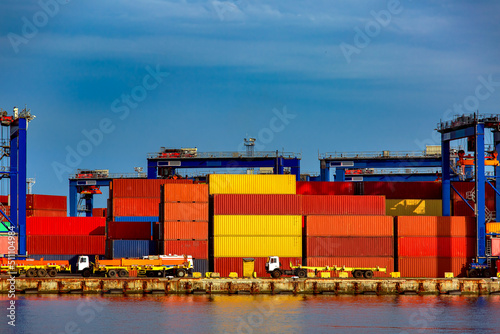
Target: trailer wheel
[31, 272]
[473, 273]
[123, 273]
[112, 273]
[52, 272]
[86, 272]
[181, 273]
[302, 273]
[486, 273]
[368, 274]
[276, 273]
[357, 274]
[41, 272]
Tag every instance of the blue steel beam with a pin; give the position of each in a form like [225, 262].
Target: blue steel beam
[416, 177]
[14, 140]
[21, 181]
[496, 136]
[385, 163]
[445, 176]
[480, 193]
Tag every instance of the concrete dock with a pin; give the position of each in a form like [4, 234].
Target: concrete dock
[462, 286]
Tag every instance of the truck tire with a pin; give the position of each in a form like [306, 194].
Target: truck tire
[112, 273]
[368, 274]
[357, 274]
[276, 273]
[486, 273]
[123, 273]
[52, 272]
[302, 273]
[181, 273]
[473, 273]
[41, 272]
[86, 272]
[31, 272]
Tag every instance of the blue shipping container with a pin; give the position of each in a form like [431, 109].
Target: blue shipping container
[131, 248]
[200, 266]
[136, 219]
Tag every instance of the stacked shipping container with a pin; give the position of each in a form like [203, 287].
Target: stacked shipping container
[46, 206]
[255, 222]
[431, 246]
[466, 189]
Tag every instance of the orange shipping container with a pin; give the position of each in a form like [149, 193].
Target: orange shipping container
[436, 226]
[133, 207]
[350, 226]
[184, 212]
[185, 193]
[365, 262]
[184, 230]
[432, 267]
[140, 187]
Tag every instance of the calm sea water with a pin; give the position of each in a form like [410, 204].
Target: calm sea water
[253, 314]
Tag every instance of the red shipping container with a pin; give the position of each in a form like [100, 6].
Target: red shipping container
[257, 205]
[431, 267]
[140, 187]
[184, 230]
[4, 199]
[129, 230]
[6, 246]
[226, 265]
[464, 187]
[136, 207]
[350, 226]
[325, 188]
[46, 202]
[398, 190]
[185, 212]
[350, 246]
[363, 262]
[65, 226]
[46, 213]
[185, 193]
[196, 248]
[343, 205]
[99, 212]
[436, 247]
[460, 208]
[66, 244]
[495, 246]
[409, 226]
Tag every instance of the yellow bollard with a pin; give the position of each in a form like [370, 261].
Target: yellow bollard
[396, 274]
[449, 275]
[233, 275]
[208, 274]
[196, 275]
[214, 275]
[311, 275]
[344, 275]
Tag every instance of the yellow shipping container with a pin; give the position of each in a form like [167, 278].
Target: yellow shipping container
[258, 225]
[252, 184]
[492, 227]
[251, 246]
[414, 207]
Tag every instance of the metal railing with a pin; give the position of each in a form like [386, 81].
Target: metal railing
[215, 155]
[377, 154]
[464, 120]
[84, 176]
[385, 171]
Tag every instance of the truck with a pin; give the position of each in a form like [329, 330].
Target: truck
[178, 265]
[33, 268]
[273, 267]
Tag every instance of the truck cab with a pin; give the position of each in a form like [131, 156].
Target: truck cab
[83, 263]
[272, 264]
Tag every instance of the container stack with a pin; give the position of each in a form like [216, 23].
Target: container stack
[184, 216]
[99, 212]
[408, 198]
[326, 188]
[351, 241]
[46, 206]
[255, 216]
[466, 189]
[431, 246]
[65, 238]
[132, 239]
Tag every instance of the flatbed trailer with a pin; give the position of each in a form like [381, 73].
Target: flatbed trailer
[33, 268]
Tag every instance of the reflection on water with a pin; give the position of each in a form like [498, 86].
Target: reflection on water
[253, 314]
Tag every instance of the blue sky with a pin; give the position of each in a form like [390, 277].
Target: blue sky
[231, 66]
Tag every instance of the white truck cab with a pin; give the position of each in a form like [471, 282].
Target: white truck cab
[83, 263]
[273, 263]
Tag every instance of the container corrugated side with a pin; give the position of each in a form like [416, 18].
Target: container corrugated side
[226, 265]
[436, 246]
[350, 246]
[136, 219]
[196, 248]
[132, 248]
[184, 230]
[46, 202]
[396, 190]
[141, 187]
[345, 226]
[414, 207]
[185, 193]
[46, 213]
[129, 230]
[8, 246]
[252, 184]
[258, 226]
[252, 246]
[460, 208]
[430, 267]
[436, 226]
[185, 212]
[99, 212]
[343, 205]
[466, 187]
[65, 226]
[124, 206]
[67, 244]
[257, 205]
[363, 262]
[200, 266]
[492, 227]
[325, 188]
